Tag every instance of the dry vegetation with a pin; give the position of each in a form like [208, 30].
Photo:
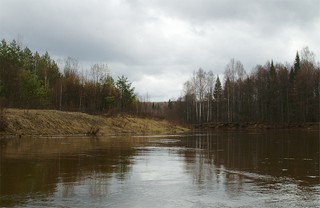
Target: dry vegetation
[3, 122]
[52, 122]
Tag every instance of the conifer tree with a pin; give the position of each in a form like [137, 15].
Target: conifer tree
[217, 95]
[296, 63]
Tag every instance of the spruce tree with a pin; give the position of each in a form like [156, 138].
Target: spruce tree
[217, 89]
[297, 63]
[217, 95]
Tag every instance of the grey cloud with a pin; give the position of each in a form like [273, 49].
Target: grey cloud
[153, 38]
[294, 11]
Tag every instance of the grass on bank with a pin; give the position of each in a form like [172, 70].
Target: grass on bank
[53, 122]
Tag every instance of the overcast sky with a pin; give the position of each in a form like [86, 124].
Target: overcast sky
[158, 44]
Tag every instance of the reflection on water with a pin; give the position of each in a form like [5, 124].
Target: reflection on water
[204, 169]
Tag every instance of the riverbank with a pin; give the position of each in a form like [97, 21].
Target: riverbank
[255, 125]
[53, 122]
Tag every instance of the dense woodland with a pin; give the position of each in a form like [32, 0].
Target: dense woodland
[270, 93]
[32, 80]
[273, 92]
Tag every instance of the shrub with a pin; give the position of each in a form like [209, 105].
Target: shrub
[3, 122]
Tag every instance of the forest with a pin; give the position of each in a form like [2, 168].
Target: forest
[270, 93]
[31, 80]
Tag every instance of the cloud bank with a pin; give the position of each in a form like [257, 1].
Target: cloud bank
[159, 43]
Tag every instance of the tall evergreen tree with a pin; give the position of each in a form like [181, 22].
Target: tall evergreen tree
[126, 95]
[273, 72]
[217, 96]
[296, 63]
[217, 89]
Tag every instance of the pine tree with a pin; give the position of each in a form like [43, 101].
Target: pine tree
[272, 70]
[126, 95]
[217, 89]
[297, 63]
[217, 95]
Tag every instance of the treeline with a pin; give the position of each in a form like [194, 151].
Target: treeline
[274, 92]
[32, 80]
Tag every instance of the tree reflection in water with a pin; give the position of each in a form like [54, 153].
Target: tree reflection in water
[39, 167]
[225, 168]
[228, 160]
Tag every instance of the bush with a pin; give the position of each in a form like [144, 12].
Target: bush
[3, 122]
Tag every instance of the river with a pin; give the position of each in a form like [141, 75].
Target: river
[200, 169]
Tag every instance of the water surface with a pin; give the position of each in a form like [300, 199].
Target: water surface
[201, 169]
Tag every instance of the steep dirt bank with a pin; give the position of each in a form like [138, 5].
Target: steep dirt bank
[52, 122]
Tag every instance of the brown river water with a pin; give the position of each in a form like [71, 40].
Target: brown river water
[199, 169]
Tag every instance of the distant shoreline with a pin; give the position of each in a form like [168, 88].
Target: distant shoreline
[257, 125]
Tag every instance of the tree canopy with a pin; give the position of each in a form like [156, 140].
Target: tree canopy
[273, 92]
[31, 80]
